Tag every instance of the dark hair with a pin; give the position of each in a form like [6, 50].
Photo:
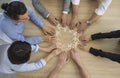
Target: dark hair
[19, 52]
[14, 9]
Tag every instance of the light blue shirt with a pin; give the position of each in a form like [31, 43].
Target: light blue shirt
[14, 30]
[7, 67]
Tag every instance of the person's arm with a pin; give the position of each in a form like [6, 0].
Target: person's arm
[82, 70]
[30, 66]
[65, 11]
[15, 35]
[66, 6]
[34, 18]
[76, 58]
[74, 21]
[62, 60]
[111, 56]
[4, 37]
[55, 72]
[37, 65]
[113, 34]
[40, 8]
[103, 5]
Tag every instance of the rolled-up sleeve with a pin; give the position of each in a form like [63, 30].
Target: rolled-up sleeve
[75, 2]
[31, 66]
[18, 36]
[103, 7]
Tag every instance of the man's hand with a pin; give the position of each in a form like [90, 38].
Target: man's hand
[48, 38]
[64, 20]
[62, 60]
[84, 47]
[53, 53]
[53, 20]
[82, 26]
[74, 54]
[85, 38]
[48, 30]
[74, 23]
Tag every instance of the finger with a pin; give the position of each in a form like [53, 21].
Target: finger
[52, 36]
[51, 22]
[51, 32]
[67, 60]
[55, 22]
[45, 32]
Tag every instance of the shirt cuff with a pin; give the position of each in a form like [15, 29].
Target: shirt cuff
[43, 62]
[65, 12]
[47, 15]
[75, 2]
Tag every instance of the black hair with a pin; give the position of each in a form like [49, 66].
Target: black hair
[19, 52]
[14, 9]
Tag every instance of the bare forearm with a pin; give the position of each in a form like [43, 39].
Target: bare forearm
[75, 10]
[50, 56]
[82, 70]
[44, 49]
[94, 18]
[55, 72]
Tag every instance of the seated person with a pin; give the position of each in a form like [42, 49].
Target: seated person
[13, 19]
[14, 58]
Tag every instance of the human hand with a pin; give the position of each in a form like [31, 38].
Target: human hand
[62, 60]
[48, 30]
[82, 26]
[53, 20]
[85, 38]
[84, 47]
[74, 54]
[48, 38]
[64, 20]
[74, 23]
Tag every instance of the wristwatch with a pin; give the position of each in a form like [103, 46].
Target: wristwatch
[88, 23]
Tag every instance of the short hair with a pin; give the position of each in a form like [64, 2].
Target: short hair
[14, 9]
[19, 52]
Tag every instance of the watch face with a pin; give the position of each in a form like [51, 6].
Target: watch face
[88, 23]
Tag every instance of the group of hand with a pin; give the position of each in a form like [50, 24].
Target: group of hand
[84, 39]
[50, 32]
[63, 58]
[74, 23]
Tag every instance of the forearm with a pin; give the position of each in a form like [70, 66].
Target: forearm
[111, 56]
[75, 10]
[82, 70]
[40, 8]
[49, 57]
[55, 72]
[31, 66]
[93, 18]
[44, 49]
[33, 40]
[113, 34]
